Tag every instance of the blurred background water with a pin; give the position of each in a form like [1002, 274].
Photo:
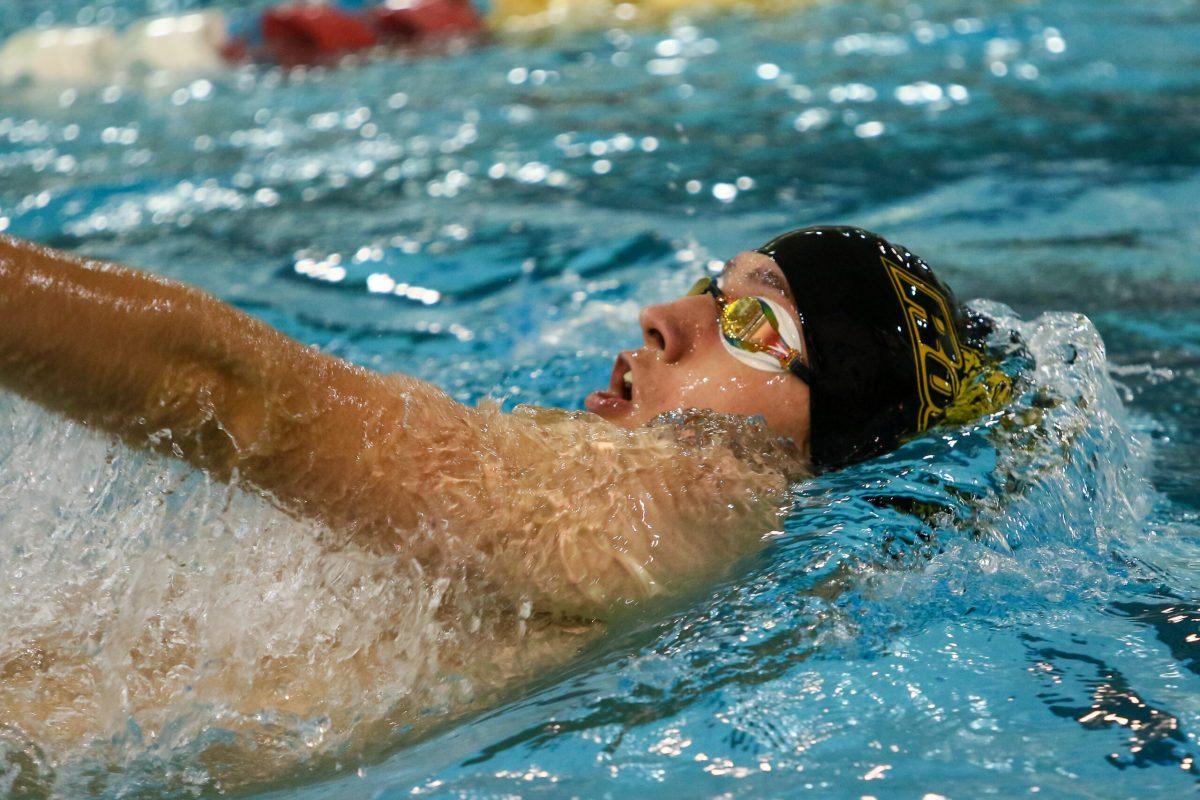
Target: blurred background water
[493, 220]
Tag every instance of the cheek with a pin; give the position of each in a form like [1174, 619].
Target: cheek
[731, 388]
[761, 394]
[723, 384]
[780, 400]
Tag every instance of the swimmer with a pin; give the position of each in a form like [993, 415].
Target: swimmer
[835, 343]
[839, 342]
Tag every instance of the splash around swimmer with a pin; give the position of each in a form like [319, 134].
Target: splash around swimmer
[838, 343]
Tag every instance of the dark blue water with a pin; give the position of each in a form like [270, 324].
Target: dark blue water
[492, 222]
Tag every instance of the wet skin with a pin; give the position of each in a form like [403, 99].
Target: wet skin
[548, 518]
[683, 364]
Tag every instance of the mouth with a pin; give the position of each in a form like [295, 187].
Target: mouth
[618, 397]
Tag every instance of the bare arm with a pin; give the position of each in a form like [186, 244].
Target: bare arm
[164, 365]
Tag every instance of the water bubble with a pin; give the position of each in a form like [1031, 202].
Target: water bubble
[725, 192]
[668, 48]
[768, 72]
[869, 130]
[201, 89]
[811, 119]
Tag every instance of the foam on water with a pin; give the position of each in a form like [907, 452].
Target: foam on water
[192, 634]
[144, 605]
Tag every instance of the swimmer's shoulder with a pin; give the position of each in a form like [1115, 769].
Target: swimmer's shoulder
[593, 516]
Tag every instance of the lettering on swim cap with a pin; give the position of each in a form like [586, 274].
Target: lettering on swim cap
[937, 353]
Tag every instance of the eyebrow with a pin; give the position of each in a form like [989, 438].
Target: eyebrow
[764, 275]
[769, 277]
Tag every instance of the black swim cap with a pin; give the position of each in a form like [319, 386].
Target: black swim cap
[892, 350]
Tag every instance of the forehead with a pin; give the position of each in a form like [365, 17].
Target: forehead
[757, 270]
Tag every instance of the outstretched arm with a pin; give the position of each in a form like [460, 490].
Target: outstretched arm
[165, 365]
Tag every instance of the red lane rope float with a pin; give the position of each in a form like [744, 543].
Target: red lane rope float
[296, 35]
[424, 20]
[299, 34]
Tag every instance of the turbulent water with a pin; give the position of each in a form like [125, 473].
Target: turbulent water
[1007, 609]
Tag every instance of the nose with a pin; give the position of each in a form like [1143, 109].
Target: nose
[672, 328]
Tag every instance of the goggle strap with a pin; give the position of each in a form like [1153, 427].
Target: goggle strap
[801, 371]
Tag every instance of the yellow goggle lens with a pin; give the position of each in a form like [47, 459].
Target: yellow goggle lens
[700, 287]
[750, 323]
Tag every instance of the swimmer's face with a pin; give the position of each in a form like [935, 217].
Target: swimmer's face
[682, 363]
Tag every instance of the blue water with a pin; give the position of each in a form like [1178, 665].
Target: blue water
[1035, 634]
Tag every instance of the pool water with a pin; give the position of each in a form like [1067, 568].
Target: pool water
[492, 222]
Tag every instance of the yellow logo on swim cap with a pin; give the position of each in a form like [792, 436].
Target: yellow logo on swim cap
[954, 382]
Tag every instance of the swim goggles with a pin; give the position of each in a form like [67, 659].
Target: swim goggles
[757, 331]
